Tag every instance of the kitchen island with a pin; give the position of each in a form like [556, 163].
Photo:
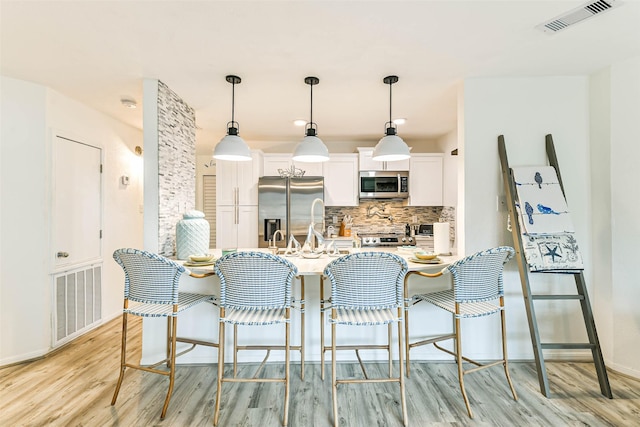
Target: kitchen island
[201, 322]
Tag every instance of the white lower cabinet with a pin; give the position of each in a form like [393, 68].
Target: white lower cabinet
[237, 226]
[341, 180]
[425, 179]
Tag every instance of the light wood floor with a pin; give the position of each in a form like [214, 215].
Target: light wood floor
[74, 387]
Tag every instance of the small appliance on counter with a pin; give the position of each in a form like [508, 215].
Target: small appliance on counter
[424, 237]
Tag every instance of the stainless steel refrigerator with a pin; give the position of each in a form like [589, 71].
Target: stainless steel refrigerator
[285, 204]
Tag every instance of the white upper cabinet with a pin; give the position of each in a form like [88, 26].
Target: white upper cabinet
[425, 179]
[341, 180]
[237, 182]
[368, 164]
[273, 162]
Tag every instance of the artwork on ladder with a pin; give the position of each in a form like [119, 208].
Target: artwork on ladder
[548, 235]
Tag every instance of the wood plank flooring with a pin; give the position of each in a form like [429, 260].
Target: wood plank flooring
[73, 387]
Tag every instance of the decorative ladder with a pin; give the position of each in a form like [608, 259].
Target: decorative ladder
[529, 298]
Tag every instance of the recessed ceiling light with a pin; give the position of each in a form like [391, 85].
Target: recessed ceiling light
[129, 103]
[399, 121]
[299, 122]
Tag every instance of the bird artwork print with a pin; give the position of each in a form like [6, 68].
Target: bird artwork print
[538, 179]
[529, 210]
[546, 210]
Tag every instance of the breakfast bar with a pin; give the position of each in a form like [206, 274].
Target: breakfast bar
[201, 322]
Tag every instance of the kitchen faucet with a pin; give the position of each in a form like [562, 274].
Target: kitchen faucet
[378, 214]
[310, 241]
[273, 246]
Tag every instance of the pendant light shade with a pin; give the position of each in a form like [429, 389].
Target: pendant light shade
[311, 148]
[232, 147]
[391, 147]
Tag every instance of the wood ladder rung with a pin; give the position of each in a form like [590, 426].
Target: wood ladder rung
[557, 297]
[566, 346]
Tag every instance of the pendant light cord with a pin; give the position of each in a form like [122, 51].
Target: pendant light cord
[233, 102]
[390, 95]
[311, 119]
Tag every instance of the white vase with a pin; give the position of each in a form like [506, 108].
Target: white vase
[192, 235]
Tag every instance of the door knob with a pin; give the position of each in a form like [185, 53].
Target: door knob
[62, 254]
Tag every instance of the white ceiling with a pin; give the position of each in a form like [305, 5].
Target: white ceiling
[99, 51]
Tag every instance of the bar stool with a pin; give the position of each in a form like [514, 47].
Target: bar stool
[151, 290]
[477, 286]
[366, 290]
[255, 289]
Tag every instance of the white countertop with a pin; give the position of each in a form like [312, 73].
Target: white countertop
[316, 266]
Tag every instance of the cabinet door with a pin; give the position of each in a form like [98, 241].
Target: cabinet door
[247, 183]
[226, 182]
[273, 162]
[247, 227]
[425, 180]
[310, 169]
[368, 164]
[398, 165]
[341, 180]
[366, 160]
[227, 227]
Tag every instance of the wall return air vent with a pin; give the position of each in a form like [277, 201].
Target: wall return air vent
[577, 15]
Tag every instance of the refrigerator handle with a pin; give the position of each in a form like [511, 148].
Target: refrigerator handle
[237, 215]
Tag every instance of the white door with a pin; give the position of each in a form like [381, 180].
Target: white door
[77, 203]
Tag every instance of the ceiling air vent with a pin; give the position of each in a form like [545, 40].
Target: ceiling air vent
[576, 15]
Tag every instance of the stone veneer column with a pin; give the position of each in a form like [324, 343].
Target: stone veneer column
[170, 140]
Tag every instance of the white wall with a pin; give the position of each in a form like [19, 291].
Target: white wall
[31, 115]
[447, 144]
[625, 223]
[524, 110]
[24, 283]
[600, 135]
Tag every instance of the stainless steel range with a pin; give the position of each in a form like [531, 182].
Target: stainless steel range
[374, 239]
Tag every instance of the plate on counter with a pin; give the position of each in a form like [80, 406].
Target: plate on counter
[199, 264]
[409, 250]
[425, 261]
[311, 255]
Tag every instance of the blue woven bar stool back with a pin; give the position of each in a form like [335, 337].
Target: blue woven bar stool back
[478, 277]
[149, 278]
[255, 280]
[367, 280]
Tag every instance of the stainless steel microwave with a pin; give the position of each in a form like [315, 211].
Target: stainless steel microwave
[384, 185]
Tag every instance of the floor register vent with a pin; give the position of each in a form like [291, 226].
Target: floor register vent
[577, 15]
[78, 302]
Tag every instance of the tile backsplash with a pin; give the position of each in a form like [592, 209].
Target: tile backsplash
[400, 214]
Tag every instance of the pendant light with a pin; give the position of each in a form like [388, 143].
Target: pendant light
[311, 148]
[232, 147]
[391, 147]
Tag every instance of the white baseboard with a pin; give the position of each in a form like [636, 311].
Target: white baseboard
[626, 371]
[25, 357]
